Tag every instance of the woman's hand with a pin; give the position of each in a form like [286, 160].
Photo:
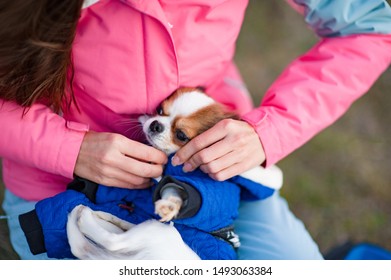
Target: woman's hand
[113, 160]
[226, 150]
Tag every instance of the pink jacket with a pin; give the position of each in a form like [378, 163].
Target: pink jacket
[129, 55]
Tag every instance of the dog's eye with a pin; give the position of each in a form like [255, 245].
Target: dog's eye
[159, 110]
[181, 136]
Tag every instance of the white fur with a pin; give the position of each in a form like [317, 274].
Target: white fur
[271, 177]
[162, 141]
[185, 105]
[189, 103]
[96, 235]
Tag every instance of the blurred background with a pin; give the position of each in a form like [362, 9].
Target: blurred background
[339, 182]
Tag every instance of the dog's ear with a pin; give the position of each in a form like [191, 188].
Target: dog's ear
[211, 115]
[230, 115]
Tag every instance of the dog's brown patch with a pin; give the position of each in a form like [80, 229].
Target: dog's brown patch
[200, 121]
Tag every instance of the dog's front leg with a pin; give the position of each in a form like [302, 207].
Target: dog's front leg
[170, 204]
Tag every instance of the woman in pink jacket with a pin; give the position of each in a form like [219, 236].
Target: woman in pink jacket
[130, 55]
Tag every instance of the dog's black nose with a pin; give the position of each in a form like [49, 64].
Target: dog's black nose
[156, 127]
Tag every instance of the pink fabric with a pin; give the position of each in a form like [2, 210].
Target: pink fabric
[129, 55]
[316, 89]
[39, 150]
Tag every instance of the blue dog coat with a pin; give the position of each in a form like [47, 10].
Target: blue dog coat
[210, 207]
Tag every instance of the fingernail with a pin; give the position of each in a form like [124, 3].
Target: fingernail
[187, 167]
[175, 161]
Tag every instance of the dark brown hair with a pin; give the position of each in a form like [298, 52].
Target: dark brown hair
[36, 39]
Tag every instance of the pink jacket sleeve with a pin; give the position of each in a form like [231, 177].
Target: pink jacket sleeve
[316, 89]
[40, 139]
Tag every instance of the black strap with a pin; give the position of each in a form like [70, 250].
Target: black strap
[33, 231]
[84, 186]
[228, 234]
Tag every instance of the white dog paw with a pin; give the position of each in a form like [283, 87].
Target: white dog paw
[168, 209]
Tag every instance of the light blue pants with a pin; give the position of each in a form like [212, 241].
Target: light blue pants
[267, 230]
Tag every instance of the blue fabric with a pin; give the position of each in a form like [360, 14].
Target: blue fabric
[220, 200]
[368, 251]
[330, 18]
[53, 215]
[268, 230]
[220, 204]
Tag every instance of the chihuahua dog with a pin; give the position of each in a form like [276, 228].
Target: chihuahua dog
[182, 116]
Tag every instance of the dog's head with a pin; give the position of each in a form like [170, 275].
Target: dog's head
[182, 116]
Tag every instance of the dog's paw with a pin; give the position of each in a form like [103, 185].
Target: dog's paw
[168, 209]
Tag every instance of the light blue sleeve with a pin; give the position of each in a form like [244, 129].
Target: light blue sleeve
[331, 18]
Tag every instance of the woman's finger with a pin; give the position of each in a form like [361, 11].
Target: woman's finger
[230, 171]
[199, 143]
[139, 168]
[208, 155]
[107, 158]
[219, 164]
[142, 152]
